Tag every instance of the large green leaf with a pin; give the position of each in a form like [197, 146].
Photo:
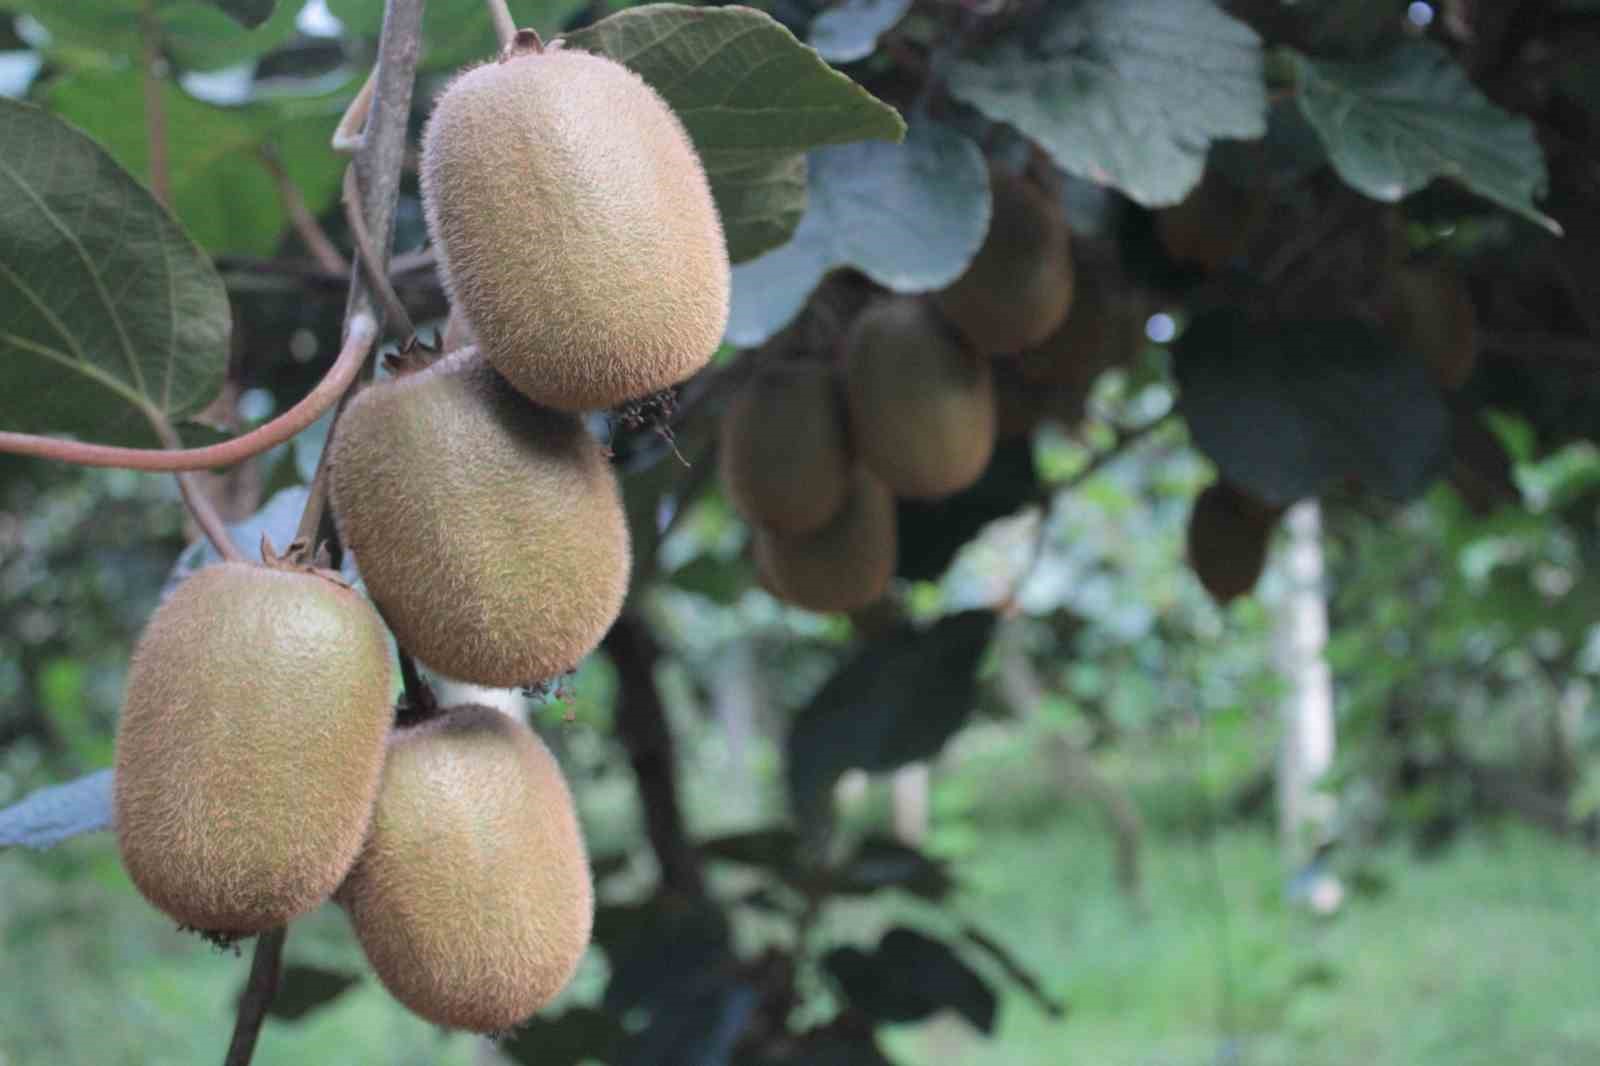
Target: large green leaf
[220, 191]
[457, 32]
[1394, 124]
[896, 702]
[753, 98]
[108, 311]
[1125, 94]
[250, 12]
[1288, 410]
[195, 34]
[910, 216]
[875, 982]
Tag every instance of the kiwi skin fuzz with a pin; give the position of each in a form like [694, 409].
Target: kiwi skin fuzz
[784, 456]
[1228, 537]
[922, 407]
[489, 532]
[1019, 286]
[250, 745]
[472, 899]
[575, 228]
[845, 565]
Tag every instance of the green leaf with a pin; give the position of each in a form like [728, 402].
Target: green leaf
[303, 989]
[896, 702]
[580, 1035]
[876, 984]
[51, 815]
[108, 311]
[1130, 95]
[1393, 125]
[220, 191]
[880, 863]
[931, 532]
[752, 97]
[1289, 409]
[249, 13]
[456, 32]
[850, 31]
[910, 216]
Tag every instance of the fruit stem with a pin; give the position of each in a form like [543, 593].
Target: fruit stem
[523, 42]
[155, 112]
[505, 27]
[373, 268]
[419, 704]
[266, 967]
[358, 342]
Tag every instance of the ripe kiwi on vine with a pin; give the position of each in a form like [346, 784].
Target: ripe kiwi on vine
[922, 407]
[845, 565]
[1019, 286]
[250, 744]
[575, 227]
[472, 898]
[489, 531]
[1428, 311]
[1228, 537]
[783, 454]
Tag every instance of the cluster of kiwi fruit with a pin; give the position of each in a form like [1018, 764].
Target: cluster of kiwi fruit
[260, 770]
[909, 403]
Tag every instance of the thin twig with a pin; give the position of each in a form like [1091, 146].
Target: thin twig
[358, 342]
[371, 262]
[155, 111]
[310, 231]
[505, 27]
[266, 967]
[419, 704]
[350, 134]
[195, 498]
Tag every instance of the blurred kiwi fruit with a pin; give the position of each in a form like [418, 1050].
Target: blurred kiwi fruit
[922, 408]
[843, 566]
[490, 532]
[575, 227]
[1103, 330]
[472, 898]
[784, 455]
[1427, 310]
[1229, 534]
[1211, 225]
[1019, 286]
[250, 744]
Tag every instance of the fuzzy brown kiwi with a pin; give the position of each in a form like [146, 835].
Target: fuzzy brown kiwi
[472, 899]
[1428, 311]
[1229, 534]
[784, 458]
[1103, 330]
[1019, 286]
[922, 410]
[1210, 226]
[575, 228]
[490, 532]
[845, 565]
[250, 744]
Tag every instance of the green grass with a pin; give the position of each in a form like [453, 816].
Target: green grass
[1487, 955]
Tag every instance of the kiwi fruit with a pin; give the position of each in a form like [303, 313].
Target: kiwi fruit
[1018, 288]
[784, 458]
[1101, 331]
[457, 334]
[845, 565]
[1229, 534]
[575, 228]
[250, 745]
[1428, 311]
[472, 898]
[1210, 226]
[1019, 404]
[922, 409]
[489, 531]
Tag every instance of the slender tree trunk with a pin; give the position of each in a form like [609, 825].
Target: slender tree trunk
[1305, 810]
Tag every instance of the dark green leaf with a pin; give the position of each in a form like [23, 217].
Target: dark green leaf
[1393, 125]
[1013, 968]
[774, 849]
[1129, 95]
[850, 31]
[108, 312]
[247, 12]
[752, 97]
[881, 863]
[699, 1022]
[909, 977]
[456, 32]
[896, 702]
[580, 1035]
[47, 817]
[1288, 409]
[932, 532]
[846, 1042]
[305, 988]
[220, 191]
[655, 946]
[721, 581]
[910, 216]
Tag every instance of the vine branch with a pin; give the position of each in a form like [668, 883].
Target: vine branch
[155, 110]
[358, 342]
[195, 499]
[306, 226]
[505, 27]
[266, 968]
